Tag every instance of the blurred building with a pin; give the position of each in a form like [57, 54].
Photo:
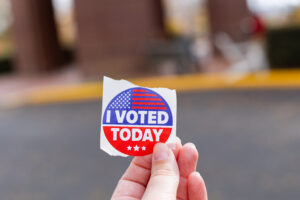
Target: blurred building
[35, 36]
[111, 36]
[227, 16]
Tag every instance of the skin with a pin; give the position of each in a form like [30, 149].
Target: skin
[167, 174]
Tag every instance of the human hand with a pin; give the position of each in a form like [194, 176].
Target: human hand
[165, 175]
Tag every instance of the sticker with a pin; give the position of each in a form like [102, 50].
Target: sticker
[135, 118]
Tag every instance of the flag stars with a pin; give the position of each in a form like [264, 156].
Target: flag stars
[136, 148]
[122, 101]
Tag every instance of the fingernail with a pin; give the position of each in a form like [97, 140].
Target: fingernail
[160, 152]
[191, 145]
[178, 140]
[198, 174]
[172, 146]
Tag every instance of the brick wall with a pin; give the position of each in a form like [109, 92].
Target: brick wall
[112, 34]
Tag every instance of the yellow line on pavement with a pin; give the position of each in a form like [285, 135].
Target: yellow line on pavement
[93, 90]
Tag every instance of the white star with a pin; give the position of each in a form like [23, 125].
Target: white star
[143, 148]
[136, 148]
[129, 148]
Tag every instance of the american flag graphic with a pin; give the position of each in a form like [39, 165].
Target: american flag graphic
[136, 119]
[138, 99]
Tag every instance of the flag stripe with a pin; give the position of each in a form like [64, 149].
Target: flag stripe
[146, 99]
[148, 103]
[146, 107]
[147, 95]
[140, 90]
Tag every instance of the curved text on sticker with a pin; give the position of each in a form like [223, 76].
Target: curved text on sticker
[135, 120]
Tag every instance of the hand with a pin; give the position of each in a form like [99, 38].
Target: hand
[164, 175]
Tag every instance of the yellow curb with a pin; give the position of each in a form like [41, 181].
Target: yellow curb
[93, 90]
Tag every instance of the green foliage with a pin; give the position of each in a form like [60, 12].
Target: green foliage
[5, 64]
[283, 47]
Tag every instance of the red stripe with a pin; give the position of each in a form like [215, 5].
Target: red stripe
[147, 99]
[143, 107]
[140, 90]
[147, 95]
[148, 103]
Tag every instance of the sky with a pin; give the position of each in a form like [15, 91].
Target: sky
[259, 6]
[262, 6]
[62, 6]
[272, 6]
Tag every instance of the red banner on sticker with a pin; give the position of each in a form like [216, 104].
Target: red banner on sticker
[135, 141]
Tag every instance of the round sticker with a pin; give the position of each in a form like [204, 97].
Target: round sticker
[136, 119]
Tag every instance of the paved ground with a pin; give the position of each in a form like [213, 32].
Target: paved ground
[249, 144]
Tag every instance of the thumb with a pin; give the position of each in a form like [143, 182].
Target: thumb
[164, 178]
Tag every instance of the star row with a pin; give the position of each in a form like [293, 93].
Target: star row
[121, 106]
[124, 96]
[136, 148]
[122, 99]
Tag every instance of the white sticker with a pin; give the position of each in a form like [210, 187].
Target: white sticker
[135, 118]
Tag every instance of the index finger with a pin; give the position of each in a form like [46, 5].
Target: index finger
[134, 181]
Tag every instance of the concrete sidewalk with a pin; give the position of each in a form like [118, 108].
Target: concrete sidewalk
[69, 86]
[15, 87]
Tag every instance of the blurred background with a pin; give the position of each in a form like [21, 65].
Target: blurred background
[234, 63]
